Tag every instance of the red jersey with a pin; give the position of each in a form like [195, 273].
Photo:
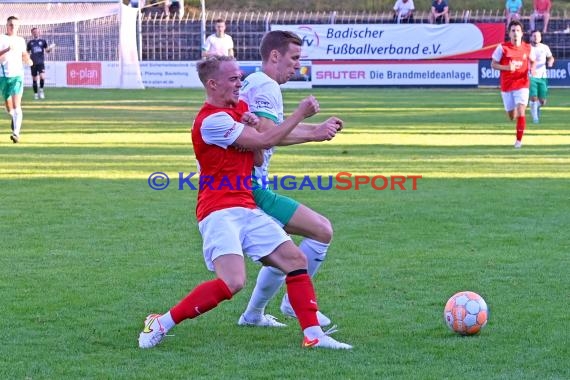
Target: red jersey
[542, 6]
[519, 55]
[224, 171]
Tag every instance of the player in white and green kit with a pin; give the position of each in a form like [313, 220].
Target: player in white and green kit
[280, 53]
[264, 98]
[539, 82]
[13, 55]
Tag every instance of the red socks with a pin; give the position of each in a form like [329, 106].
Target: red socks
[521, 124]
[302, 297]
[203, 298]
[209, 294]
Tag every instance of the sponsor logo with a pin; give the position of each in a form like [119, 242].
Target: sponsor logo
[84, 74]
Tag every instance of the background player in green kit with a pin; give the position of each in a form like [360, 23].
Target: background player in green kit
[13, 55]
[538, 81]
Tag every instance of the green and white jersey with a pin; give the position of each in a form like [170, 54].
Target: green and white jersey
[541, 53]
[11, 64]
[263, 96]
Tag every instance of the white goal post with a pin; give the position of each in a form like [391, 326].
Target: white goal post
[95, 40]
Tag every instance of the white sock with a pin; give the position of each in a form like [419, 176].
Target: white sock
[316, 253]
[534, 110]
[17, 116]
[166, 321]
[313, 332]
[269, 281]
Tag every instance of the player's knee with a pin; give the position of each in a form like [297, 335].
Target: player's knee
[298, 261]
[324, 231]
[235, 284]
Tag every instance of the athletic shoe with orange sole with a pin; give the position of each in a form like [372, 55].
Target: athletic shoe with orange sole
[153, 332]
[325, 341]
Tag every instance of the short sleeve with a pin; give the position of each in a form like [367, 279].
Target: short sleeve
[548, 52]
[220, 129]
[532, 55]
[207, 44]
[498, 53]
[263, 102]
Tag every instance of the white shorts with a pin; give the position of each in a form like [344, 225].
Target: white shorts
[237, 230]
[512, 98]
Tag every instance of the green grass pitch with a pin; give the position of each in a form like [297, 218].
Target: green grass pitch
[88, 249]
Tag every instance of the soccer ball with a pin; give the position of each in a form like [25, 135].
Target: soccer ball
[466, 313]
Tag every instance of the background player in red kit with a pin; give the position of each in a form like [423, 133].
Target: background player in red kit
[514, 59]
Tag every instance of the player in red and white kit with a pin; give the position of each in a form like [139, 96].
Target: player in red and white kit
[224, 139]
[515, 59]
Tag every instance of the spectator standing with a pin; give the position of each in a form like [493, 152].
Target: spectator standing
[513, 10]
[439, 12]
[404, 11]
[541, 10]
[219, 43]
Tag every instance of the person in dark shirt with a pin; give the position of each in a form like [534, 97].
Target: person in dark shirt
[37, 47]
[174, 8]
[439, 12]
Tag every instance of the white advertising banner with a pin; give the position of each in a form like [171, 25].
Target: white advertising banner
[162, 74]
[170, 74]
[396, 41]
[183, 74]
[159, 74]
[399, 73]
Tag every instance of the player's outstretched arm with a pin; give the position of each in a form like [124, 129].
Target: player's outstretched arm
[305, 132]
[265, 139]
